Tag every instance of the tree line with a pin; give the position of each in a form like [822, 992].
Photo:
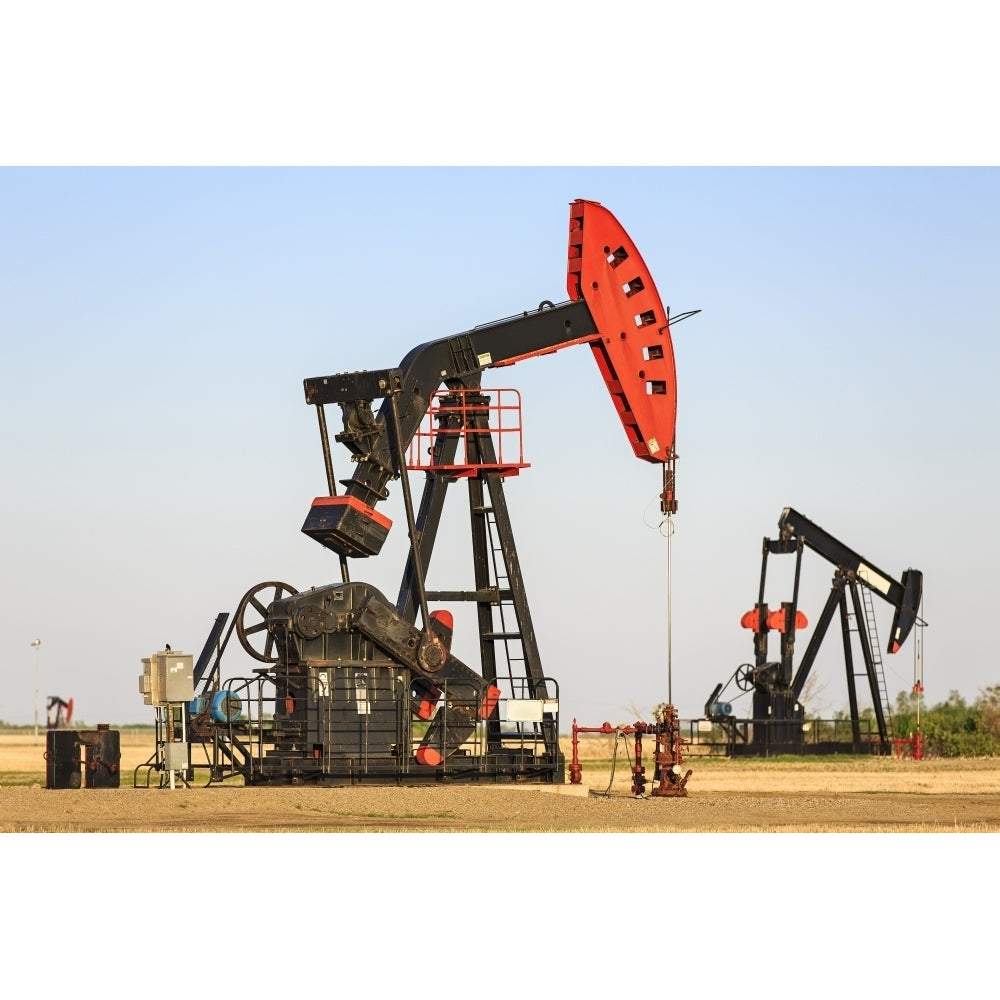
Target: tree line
[952, 728]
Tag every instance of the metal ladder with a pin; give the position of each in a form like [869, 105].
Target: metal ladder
[876, 650]
[509, 653]
[509, 638]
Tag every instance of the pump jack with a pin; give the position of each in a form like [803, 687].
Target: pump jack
[363, 693]
[63, 715]
[778, 716]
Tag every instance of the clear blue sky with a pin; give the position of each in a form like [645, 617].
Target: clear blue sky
[160, 457]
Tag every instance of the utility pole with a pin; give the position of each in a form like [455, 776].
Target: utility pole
[37, 644]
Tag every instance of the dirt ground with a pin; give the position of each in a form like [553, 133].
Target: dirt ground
[724, 796]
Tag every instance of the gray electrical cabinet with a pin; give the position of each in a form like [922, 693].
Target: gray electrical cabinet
[176, 756]
[167, 677]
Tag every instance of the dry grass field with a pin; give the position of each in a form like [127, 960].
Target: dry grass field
[724, 796]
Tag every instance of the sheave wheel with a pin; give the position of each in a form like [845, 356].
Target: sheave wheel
[744, 677]
[251, 619]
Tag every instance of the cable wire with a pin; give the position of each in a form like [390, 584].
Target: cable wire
[614, 761]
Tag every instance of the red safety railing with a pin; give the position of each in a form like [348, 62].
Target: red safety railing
[465, 415]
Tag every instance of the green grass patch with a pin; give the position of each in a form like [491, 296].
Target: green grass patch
[11, 779]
